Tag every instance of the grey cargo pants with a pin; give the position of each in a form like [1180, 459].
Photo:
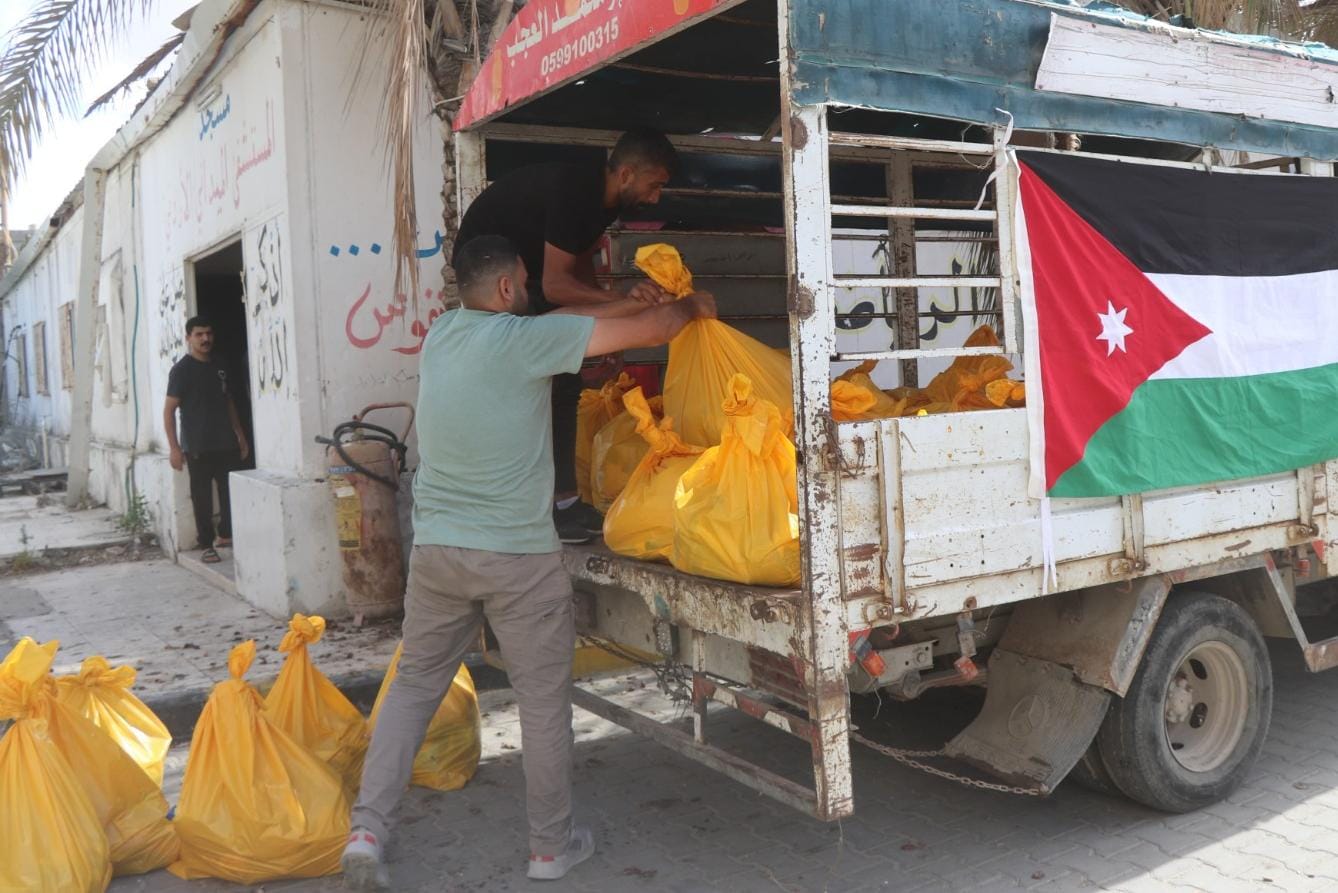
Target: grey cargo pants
[528, 602]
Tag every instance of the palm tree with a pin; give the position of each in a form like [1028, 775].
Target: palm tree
[46, 59]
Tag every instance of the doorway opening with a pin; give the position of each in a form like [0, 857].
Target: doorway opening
[220, 297]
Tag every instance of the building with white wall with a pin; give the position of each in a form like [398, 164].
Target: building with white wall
[252, 186]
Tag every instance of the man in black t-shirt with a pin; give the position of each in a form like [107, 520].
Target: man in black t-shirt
[555, 213]
[212, 441]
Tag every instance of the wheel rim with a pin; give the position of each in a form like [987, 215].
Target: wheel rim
[1206, 701]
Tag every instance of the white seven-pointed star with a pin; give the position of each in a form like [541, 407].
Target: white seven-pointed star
[1113, 329]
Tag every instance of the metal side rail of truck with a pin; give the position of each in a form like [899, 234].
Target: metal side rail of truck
[847, 193]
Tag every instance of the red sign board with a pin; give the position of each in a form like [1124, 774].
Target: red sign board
[550, 42]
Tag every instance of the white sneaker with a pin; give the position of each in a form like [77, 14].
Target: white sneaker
[580, 847]
[361, 863]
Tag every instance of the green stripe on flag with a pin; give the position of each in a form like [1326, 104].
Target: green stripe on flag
[1177, 432]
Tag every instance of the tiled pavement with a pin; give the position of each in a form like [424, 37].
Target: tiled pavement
[665, 824]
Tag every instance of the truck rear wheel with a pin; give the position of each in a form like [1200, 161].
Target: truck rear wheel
[1196, 715]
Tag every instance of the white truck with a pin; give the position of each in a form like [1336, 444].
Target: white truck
[812, 127]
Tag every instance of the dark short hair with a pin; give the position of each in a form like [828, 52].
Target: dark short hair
[197, 322]
[644, 147]
[482, 260]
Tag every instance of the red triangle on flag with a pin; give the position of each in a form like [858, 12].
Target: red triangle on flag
[1103, 327]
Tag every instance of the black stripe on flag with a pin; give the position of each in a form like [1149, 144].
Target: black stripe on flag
[1173, 220]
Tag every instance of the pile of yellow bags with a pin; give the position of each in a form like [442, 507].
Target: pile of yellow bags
[735, 508]
[308, 706]
[595, 409]
[975, 382]
[255, 804]
[101, 694]
[618, 449]
[706, 355]
[50, 837]
[454, 741]
[74, 807]
[640, 522]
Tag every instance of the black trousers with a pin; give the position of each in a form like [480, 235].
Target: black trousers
[207, 469]
[566, 394]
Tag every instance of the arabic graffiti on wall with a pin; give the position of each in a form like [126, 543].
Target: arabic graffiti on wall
[172, 317]
[550, 41]
[369, 319]
[211, 118]
[269, 324]
[215, 177]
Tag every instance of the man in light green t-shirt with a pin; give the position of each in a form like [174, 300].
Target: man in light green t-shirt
[484, 541]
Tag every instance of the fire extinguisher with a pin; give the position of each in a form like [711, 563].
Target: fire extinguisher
[363, 465]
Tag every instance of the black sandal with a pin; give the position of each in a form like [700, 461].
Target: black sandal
[210, 556]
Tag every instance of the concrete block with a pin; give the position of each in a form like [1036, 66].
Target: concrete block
[285, 547]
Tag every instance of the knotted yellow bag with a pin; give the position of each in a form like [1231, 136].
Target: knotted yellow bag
[640, 523]
[451, 749]
[885, 406]
[255, 804]
[101, 694]
[618, 450]
[130, 805]
[50, 837]
[595, 409]
[706, 354]
[308, 706]
[735, 508]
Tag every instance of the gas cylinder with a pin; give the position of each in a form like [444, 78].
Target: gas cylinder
[363, 465]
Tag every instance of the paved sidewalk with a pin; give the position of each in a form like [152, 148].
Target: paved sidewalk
[175, 627]
[665, 824]
[45, 523]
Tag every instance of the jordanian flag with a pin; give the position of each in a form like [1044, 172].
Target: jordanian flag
[1183, 324]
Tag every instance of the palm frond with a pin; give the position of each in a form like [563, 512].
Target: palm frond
[46, 58]
[138, 72]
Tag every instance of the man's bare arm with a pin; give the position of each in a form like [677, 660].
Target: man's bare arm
[170, 428]
[611, 310]
[651, 327]
[569, 280]
[563, 283]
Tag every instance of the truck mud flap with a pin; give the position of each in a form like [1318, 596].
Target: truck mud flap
[1036, 723]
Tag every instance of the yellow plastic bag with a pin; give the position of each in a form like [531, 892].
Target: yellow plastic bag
[962, 385]
[131, 807]
[451, 749]
[885, 405]
[735, 508]
[594, 410]
[702, 360]
[664, 265]
[308, 706]
[706, 354]
[617, 451]
[50, 837]
[640, 523]
[101, 694]
[1006, 392]
[850, 402]
[255, 805]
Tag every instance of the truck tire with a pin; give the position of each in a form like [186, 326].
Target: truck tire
[1090, 772]
[1196, 715]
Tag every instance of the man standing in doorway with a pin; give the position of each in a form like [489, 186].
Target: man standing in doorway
[484, 541]
[555, 214]
[212, 441]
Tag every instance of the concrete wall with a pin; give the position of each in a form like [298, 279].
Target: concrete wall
[358, 341]
[50, 282]
[279, 148]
